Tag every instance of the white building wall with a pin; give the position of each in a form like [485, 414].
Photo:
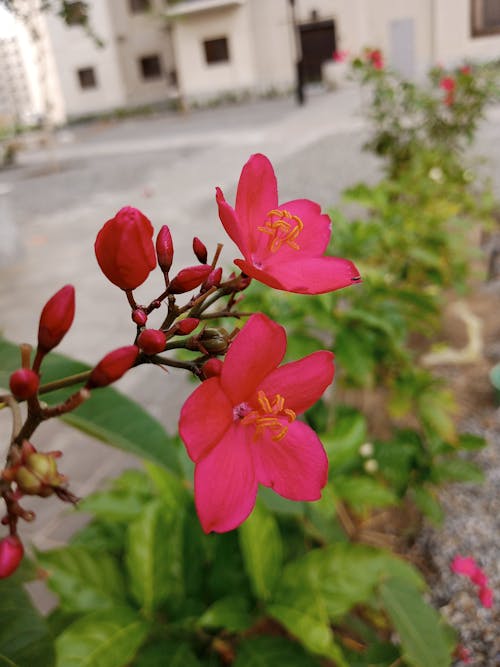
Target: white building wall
[454, 40]
[73, 49]
[202, 80]
[136, 36]
[273, 44]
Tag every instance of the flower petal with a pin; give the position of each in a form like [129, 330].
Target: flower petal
[316, 275]
[301, 383]
[225, 486]
[256, 351]
[231, 224]
[296, 467]
[205, 417]
[257, 194]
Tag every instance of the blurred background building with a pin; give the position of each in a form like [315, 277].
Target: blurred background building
[151, 52]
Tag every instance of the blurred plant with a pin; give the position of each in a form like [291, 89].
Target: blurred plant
[439, 119]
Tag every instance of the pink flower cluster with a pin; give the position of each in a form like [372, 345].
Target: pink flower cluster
[466, 566]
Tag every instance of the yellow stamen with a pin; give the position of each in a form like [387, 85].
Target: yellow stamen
[268, 415]
[282, 227]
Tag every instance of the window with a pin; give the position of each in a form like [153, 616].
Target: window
[150, 67]
[139, 6]
[87, 77]
[485, 17]
[216, 50]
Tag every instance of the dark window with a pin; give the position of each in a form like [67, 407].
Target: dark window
[485, 17]
[150, 67]
[216, 50]
[87, 77]
[139, 6]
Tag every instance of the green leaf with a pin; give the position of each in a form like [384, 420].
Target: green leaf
[168, 653]
[262, 550]
[348, 434]
[84, 580]
[272, 652]
[154, 556]
[363, 492]
[470, 441]
[306, 618]
[108, 416]
[24, 635]
[231, 613]
[104, 638]
[341, 576]
[427, 502]
[422, 636]
[457, 470]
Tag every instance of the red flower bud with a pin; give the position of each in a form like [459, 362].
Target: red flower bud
[190, 278]
[139, 317]
[124, 248]
[212, 368]
[113, 366]
[24, 383]
[200, 250]
[56, 318]
[152, 341]
[214, 278]
[187, 326]
[164, 249]
[11, 555]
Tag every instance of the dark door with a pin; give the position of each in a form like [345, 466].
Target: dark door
[318, 44]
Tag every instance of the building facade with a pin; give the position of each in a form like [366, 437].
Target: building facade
[16, 102]
[199, 50]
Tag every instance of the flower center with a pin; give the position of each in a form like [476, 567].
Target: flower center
[270, 415]
[282, 227]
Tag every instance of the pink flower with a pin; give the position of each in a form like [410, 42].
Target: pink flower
[486, 597]
[283, 245]
[448, 84]
[374, 56]
[465, 565]
[340, 56]
[479, 578]
[240, 427]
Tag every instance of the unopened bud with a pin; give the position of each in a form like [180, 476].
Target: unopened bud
[11, 555]
[211, 341]
[370, 466]
[186, 326]
[212, 368]
[366, 449]
[214, 278]
[113, 366]
[56, 318]
[139, 317]
[200, 250]
[164, 249]
[39, 475]
[190, 278]
[24, 383]
[152, 341]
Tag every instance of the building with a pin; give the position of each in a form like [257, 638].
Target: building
[16, 103]
[198, 50]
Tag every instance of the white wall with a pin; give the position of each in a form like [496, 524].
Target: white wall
[73, 49]
[196, 77]
[454, 41]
